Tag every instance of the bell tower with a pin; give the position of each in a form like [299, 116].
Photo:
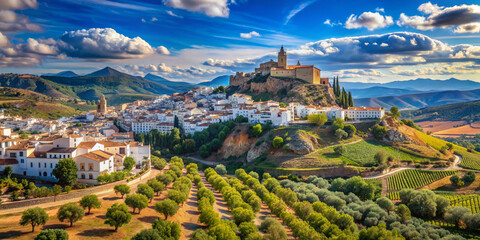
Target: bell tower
[282, 58]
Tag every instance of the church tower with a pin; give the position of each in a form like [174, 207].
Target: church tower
[282, 58]
[102, 105]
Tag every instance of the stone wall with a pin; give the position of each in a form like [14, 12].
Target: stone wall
[72, 195]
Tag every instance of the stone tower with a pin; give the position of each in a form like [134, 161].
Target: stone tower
[102, 105]
[282, 58]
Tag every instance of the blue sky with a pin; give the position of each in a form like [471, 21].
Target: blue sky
[197, 40]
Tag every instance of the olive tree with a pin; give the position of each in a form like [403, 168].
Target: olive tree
[90, 201]
[71, 212]
[123, 189]
[118, 215]
[34, 216]
[167, 207]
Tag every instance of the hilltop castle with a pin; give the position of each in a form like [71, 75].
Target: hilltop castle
[102, 105]
[308, 73]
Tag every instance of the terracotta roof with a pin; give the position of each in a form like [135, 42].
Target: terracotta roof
[88, 145]
[19, 146]
[49, 138]
[112, 144]
[37, 154]
[97, 155]
[8, 161]
[61, 150]
[75, 136]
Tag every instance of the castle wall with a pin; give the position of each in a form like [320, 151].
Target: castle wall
[283, 73]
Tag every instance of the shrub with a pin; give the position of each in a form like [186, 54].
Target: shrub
[167, 229]
[379, 131]
[221, 169]
[469, 177]
[340, 134]
[318, 119]
[277, 142]
[52, 234]
[340, 149]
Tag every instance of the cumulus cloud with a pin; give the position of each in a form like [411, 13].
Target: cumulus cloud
[170, 72]
[211, 8]
[104, 43]
[18, 4]
[357, 73]
[92, 44]
[442, 17]
[468, 28]
[380, 51]
[368, 20]
[13, 22]
[250, 34]
[437, 69]
[379, 9]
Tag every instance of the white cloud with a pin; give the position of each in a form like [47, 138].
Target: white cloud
[357, 73]
[13, 22]
[18, 4]
[368, 20]
[163, 50]
[170, 71]
[330, 23]
[468, 28]
[250, 34]
[211, 8]
[154, 19]
[173, 14]
[379, 9]
[296, 10]
[438, 69]
[104, 43]
[442, 17]
[429, 8]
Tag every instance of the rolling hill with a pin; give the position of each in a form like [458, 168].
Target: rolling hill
[381, 92]
[413, 101]
[63, 74]
[174, 85]
[419, 84]
[469, 111]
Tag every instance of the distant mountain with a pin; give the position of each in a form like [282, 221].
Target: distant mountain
[419, 84]
[449, 112]
[108, 71]
[413, 101]
[178, 86]
[117, 87]
[223, 80]
[62, 74]
[380, 92]
[33, 83]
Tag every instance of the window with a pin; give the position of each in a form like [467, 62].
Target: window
[22, 160]
[39, 165]
[83, 175]
[45, 165]
[44, 174]
[39, 174]
[82, 166]
[90, 167]
[12, 154]
[31, 164]
[55, 156]
[24, 173]
[21, 154]
[90, 176]
[51, 165]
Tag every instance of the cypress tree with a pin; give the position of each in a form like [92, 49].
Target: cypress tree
[350, 99]
[339, 93]
[334, 87]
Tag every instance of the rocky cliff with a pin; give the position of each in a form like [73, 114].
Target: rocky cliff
[282, 89]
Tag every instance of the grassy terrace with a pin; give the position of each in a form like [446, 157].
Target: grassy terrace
[470, 160]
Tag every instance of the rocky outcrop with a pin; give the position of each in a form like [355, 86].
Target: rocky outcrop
[302, 143]
[236, 143]
[283, 89]
[257, 151]
[394, 135]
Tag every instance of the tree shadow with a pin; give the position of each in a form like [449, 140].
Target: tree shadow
[190, 212]
[55, 226]
[101, 232]
[102, 217]
[191, 226]
[148, 219]
[12, 234]
[192, 203]
[112, 198]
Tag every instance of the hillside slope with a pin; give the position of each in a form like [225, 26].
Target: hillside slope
[421, 100]
[263, 88]
[469, 111]
[34, 83]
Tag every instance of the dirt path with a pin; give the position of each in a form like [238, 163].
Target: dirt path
[266, 212]
[187, 215]
[220, 206]
[91, 226]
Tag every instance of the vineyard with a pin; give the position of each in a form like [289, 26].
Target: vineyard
[413, 178]
[471, 201]
[469, 160]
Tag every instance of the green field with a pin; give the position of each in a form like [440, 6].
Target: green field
[413, 178]
[364, 152]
